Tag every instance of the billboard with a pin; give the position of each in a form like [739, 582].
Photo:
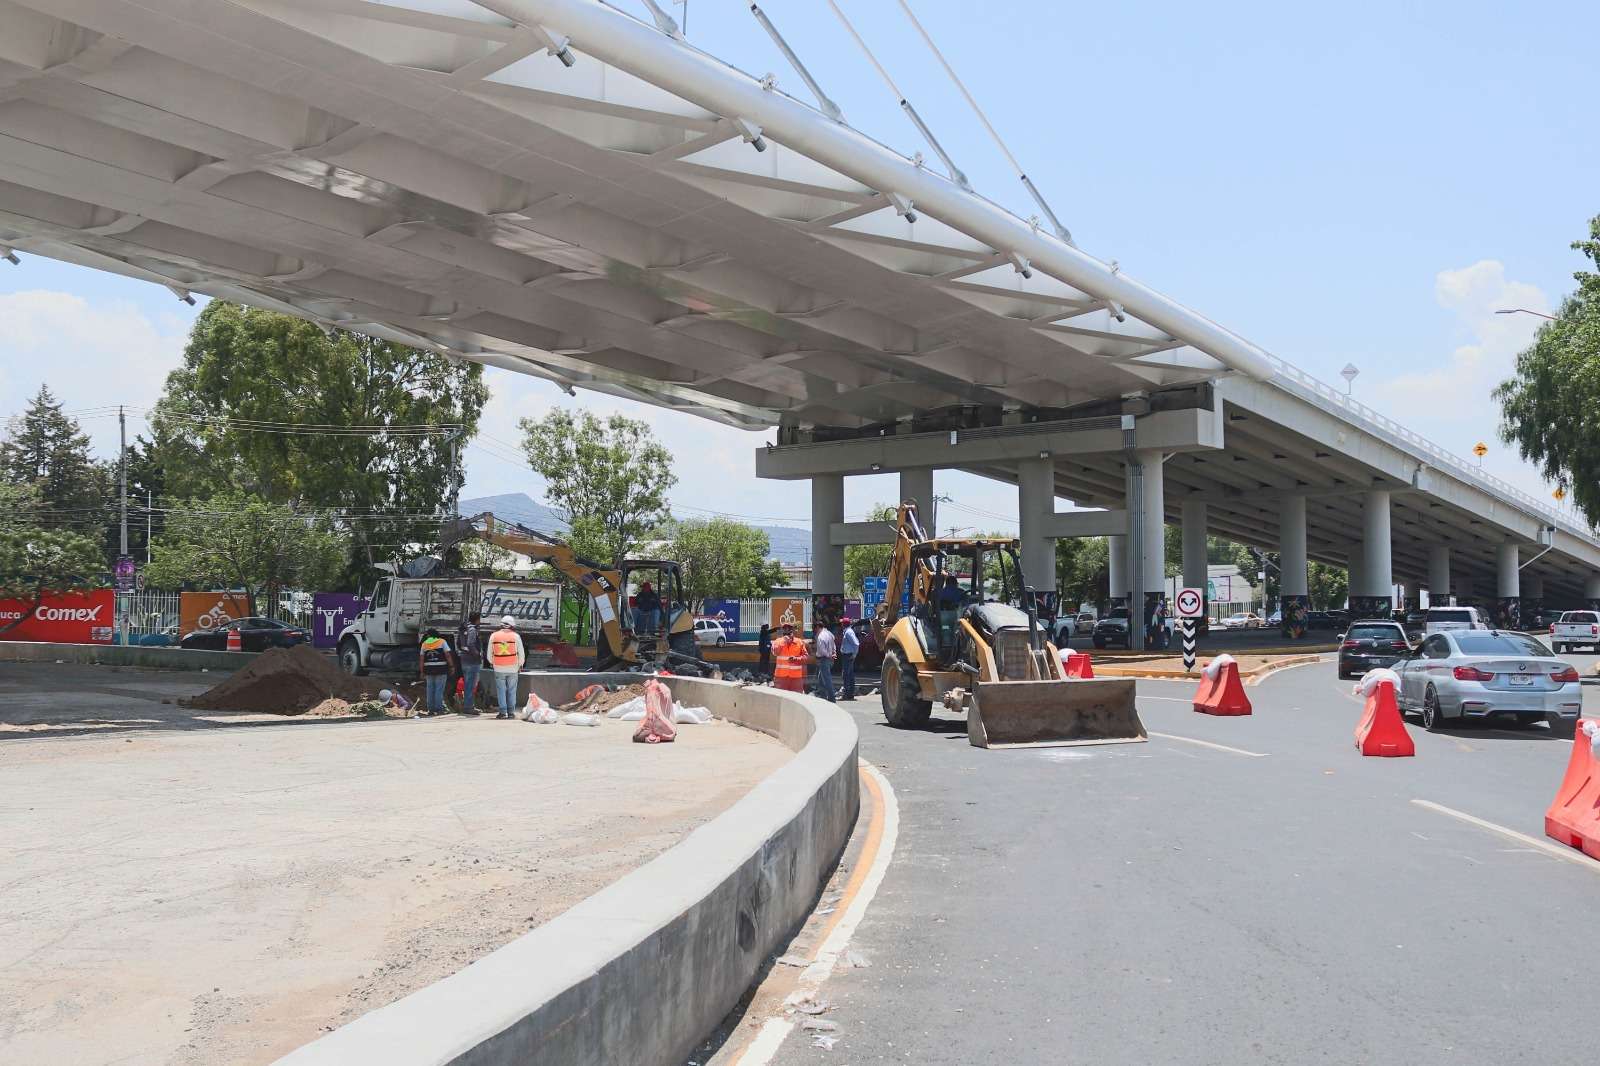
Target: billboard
[205, 611]
[727, 612]
[789, 611]
[533, 606]
[63, 617]
[330, 613]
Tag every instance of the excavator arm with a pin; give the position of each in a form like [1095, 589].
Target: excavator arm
[908, 534]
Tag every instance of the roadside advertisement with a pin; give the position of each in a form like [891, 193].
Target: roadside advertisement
[533, 606]
[726, 612]
[63, 617]
[852, 610]
[789, 611]
[205, 611]
[330, 613]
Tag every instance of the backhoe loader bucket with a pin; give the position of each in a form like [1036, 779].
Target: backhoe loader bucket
[1037, 714]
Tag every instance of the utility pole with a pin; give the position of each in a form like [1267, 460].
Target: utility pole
[122, 463]
[149, 521]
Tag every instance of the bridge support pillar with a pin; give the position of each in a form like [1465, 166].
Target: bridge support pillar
[1148, 502]
[1036, 505]
[1532, 597]
[1117, 588]
[917, 486]
[827, 559]
[1376, 590]
[1591, 591]
[1508, 587]
[1196, 574]
[1439, 575]
[1293, 598]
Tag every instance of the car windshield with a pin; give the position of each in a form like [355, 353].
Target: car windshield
[1498, 643]
[1450, 616]
[1372, 632]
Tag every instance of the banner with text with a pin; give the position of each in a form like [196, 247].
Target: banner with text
[330, 613]
[62, 617]
[205, 611]
[726, 612]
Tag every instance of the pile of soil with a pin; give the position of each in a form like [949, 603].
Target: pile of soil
[602, 702]
[285, 681]
[334, 707]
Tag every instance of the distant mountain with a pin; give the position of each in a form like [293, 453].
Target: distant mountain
[786, 544]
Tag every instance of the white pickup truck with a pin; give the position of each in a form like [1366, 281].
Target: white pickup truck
[385, 636]
[1576, 629]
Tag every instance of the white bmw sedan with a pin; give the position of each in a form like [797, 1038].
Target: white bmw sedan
[1468, 674]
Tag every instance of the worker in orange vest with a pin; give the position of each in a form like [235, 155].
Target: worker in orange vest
[506, 658]
[789, 653]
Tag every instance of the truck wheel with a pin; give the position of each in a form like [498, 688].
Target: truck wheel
[350, 658]
[902, 707]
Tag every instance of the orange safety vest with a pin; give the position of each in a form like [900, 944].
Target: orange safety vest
[790, 653]
[503, 648]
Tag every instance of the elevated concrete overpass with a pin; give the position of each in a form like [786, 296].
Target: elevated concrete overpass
[560, 189]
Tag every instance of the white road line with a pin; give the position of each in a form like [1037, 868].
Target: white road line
[1167, 699]
[775, 1029]
[1208, 744]
[1572, 855]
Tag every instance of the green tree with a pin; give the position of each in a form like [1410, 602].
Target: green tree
[1548, 409]
[1326, 585]
[870, 560]
[239, 541]
[609, 479]
[1083, 571]
[723, 559]
[267, 404]
[35, 559]
[47, 449]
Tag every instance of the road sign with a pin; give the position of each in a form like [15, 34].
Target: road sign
[1188, 642]
[1190, 603]
[1480, 449]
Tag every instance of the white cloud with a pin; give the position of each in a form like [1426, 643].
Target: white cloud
[1451, 400]
[89, 353]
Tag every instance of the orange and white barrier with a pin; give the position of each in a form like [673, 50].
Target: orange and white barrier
[1574, 817]
[1221, 692]
[1077, 665]
[1381, 730]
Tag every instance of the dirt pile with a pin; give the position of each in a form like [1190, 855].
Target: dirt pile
[285, 681]
[603, 700]
[334, 707]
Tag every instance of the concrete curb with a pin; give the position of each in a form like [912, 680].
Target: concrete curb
[1164, 674]
[168, 658]
[642, 970]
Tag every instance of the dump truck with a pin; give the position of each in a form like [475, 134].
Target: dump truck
[972, 642]
[385, 636]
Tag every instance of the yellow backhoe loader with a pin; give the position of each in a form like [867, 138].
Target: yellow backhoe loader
[618, 644]
[966, 644]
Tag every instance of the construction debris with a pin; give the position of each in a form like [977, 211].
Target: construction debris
[284, 681]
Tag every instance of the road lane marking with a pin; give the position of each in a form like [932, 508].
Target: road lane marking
[1167, 699]
[1209, 744]
[876, 853]
[1569, 854]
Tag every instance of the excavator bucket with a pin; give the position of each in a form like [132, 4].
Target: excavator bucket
[1037, 714]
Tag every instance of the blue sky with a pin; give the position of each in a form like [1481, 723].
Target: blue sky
[1362, 183]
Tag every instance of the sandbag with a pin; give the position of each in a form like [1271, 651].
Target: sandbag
[657, 727]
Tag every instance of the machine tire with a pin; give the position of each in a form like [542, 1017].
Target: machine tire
[1565, 728]
[1432, 717]
[350, 658]
[901, 707]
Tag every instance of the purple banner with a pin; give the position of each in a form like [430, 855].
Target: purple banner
[331, 612]
[852, 610]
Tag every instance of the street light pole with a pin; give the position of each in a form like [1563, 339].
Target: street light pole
[1523, 311]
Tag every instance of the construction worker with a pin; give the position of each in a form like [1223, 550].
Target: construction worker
[849, 645]
[790, 654]
[435, 663]
[506, 656]
[469, 651]
[646, 609]
[764, 647]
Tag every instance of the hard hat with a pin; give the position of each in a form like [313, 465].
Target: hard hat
[385, 695]
[508, 621]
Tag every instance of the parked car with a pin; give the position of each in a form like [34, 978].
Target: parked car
[1113, 629]
[1415, 622]
[1464, 674]
[1446, 619]
[1275, 618]
[255, 634]
[1086, 620]
[1247, 620]
[1065, 629]
[1576, 629]
[709, 631]
[1369, 645]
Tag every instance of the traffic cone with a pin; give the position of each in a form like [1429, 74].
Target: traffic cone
[1208, 683]
[1574, 816]
[1078, 665]
[235, 641]
[1381, 730]
[1226, 695]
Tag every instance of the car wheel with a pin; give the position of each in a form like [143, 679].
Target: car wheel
[721, 641]
[350, 658]
[1432, 717]
[1565, 728]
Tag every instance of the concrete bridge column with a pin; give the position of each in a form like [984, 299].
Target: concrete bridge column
[1376, 599]
[1353, 567]
[1293, 588]
[827, 559]
[1153, 540]
[1195, 571]
[1508, 587]
[1117, 589]
[1439, 575]
[1591, 591]
[917, 486]
[1532, 597]
[1036, 505]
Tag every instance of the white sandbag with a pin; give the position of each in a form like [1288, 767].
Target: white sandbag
[1591, 729]
[626, 711]
[1214, 667]
[579, 718]
[545, 715]
[1373, 678]
[690, 715]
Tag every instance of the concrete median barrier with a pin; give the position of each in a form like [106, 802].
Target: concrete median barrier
[641, 971]
[150, 658]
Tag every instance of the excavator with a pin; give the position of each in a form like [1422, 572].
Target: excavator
[618, 646]
[966, 644]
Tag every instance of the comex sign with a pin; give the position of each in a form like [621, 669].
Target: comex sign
[61, 618]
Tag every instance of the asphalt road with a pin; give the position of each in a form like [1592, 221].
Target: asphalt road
[1174, 903]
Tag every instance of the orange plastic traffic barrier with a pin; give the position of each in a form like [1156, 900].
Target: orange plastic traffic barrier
[1574, 817]
[1381, 730]
[1078, 665]
[235, 641]
[1224, 694]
